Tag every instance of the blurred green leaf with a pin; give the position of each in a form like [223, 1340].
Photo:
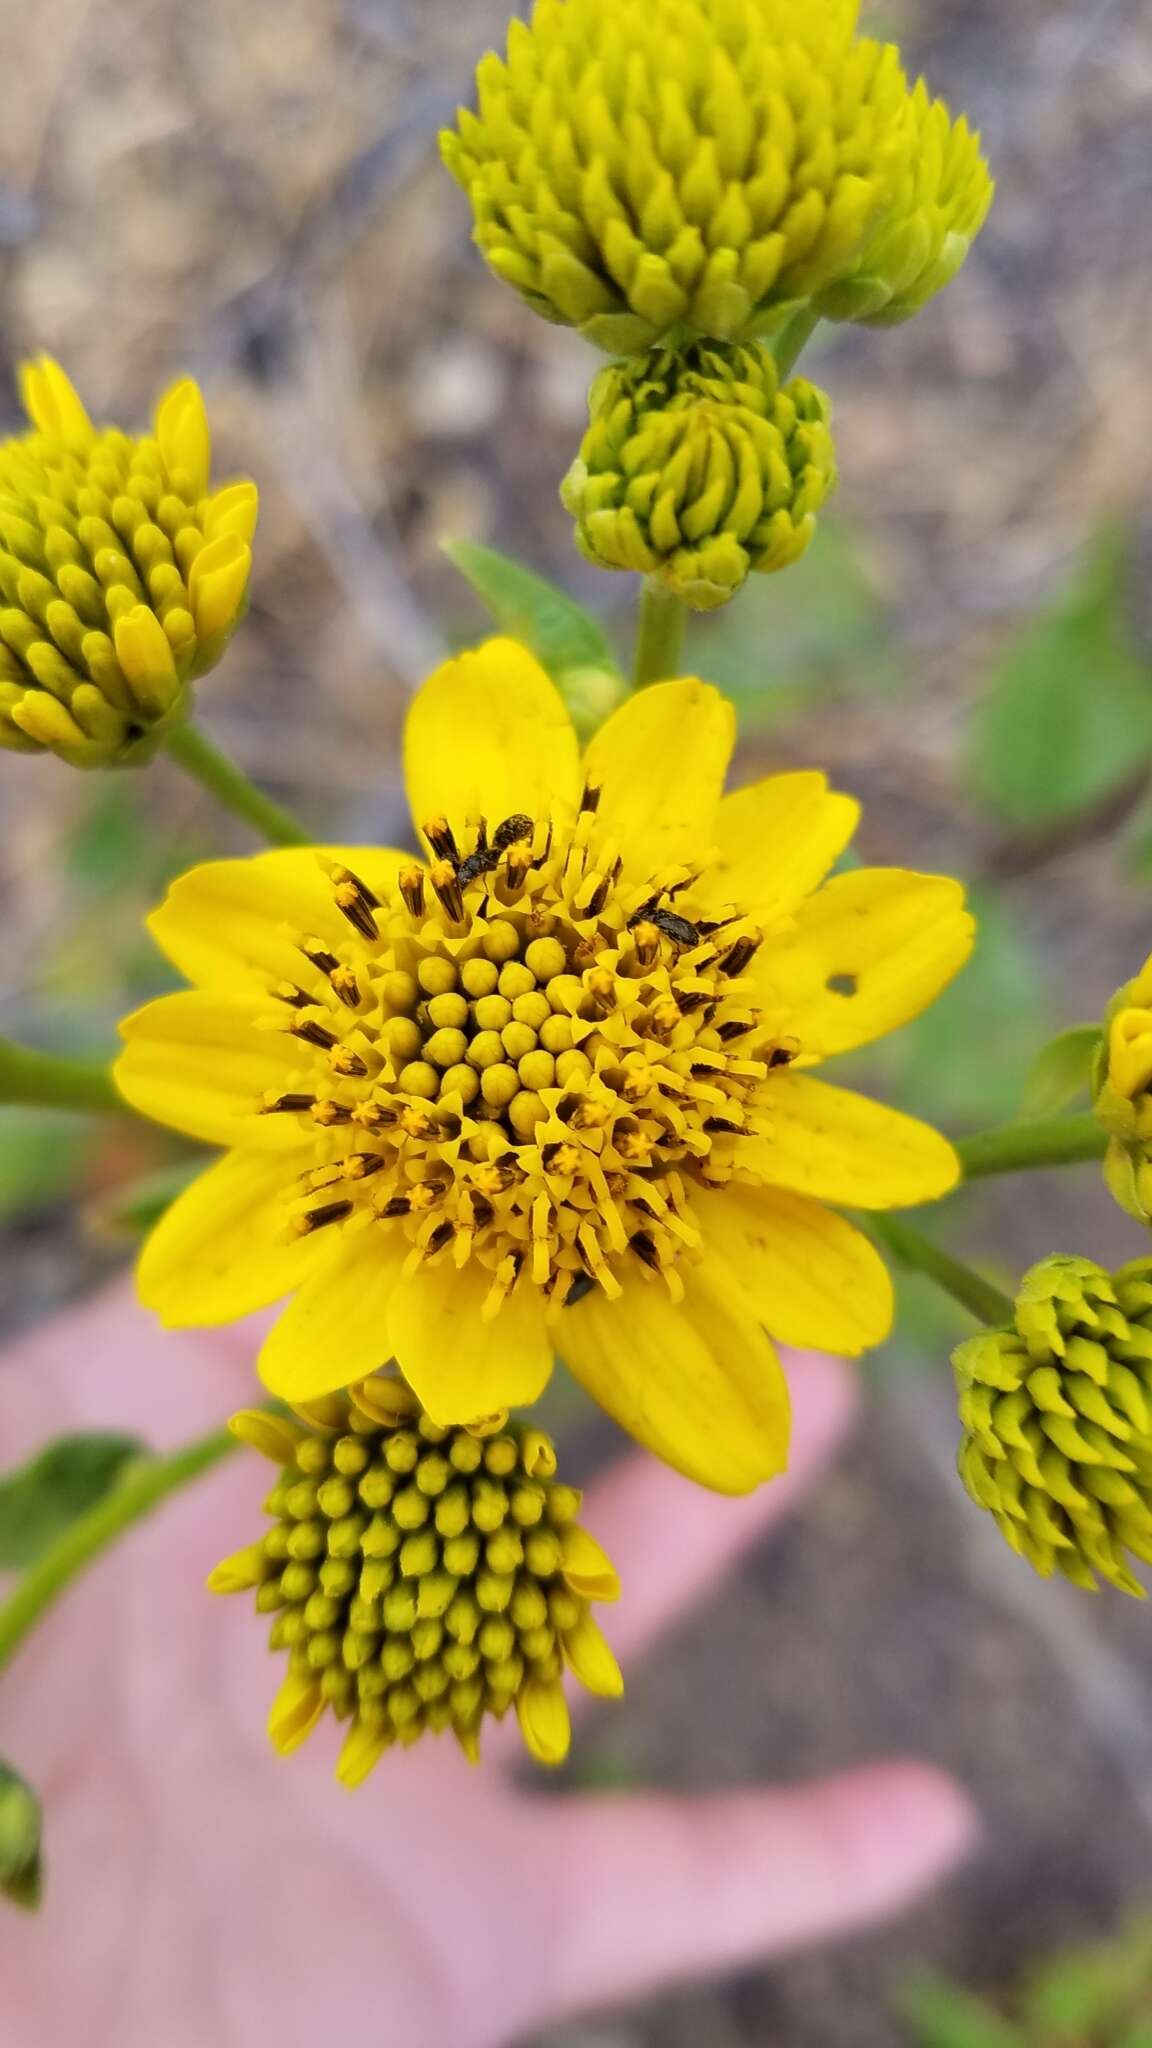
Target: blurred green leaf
[134, 1210]
[42, 1155]
[21, 1827]
[944, 2015]
[559, 631]
[1068, 714]
[40, 1499]
[789, 640]
[1137, 2035]
[1061, 1071]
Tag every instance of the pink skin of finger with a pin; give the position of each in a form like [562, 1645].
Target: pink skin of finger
[200, 1888]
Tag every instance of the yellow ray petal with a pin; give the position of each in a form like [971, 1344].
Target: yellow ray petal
[587, 1567]
[296, 1709]
[460, 1365]
[198, 1063]
[591, 1658]
[699, 1384]
[223, 924]
[813, 1278]
[871, 950]
[489, 736]
[660, 763]
[223, 1248]
[777, 841]
[842, 1147]
[336, 1330]
[184, 435]
[52, 402]
[542, 1712]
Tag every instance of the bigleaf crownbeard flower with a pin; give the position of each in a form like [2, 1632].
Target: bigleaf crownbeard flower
[551, 1089]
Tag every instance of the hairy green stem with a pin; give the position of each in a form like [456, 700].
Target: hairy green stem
[44, 1080]
[792, 340]
[231, 787]
[141, 1489]
[1028, 1147]
[912, 1249]
[660, 635]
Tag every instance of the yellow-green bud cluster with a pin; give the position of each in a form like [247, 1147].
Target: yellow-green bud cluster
[639, 168]
[122, 575]
[1122, 1086]
[698, 469]
[1057, 1413]
[421, 1578]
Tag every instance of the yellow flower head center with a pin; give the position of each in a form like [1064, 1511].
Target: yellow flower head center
[527, 1057]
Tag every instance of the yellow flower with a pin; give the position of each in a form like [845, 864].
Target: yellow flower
[551, 1089]
[638, 168]
[1057, 1413]
[1123, 1089]
[698, 469]
[421, 1578]
[122, 573]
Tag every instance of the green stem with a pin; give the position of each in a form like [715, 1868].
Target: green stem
[792, 340]
[141, 1489]
[1031, 1146]
[44, 1080]
[229, 784]
[660, 635]
[912, 1249]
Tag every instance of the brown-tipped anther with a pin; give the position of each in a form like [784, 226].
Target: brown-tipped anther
[356, 902]
[318, 1219]
[517, 867]
[441, 838]
[736, 1027]
[443, 879]
[296, 998]
[600, 984]
[645, 1249]
[289, 1105]
[362, 1165]
[329, 1114]
[348, 1064]
[397, 1205]
[715, 1124]
[315, 1034]
[513, 830]
[440, 1239]
[739, 957]
[411, 884]
[783, 1055]
[580, 1285]
[346, 988]
[318, 953]
[590, 799]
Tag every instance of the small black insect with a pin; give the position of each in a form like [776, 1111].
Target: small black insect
[514, 829]
[482, 862]
[675, 928]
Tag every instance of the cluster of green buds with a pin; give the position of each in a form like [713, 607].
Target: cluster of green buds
[665, 173]
[697, 469]
[123, 575]
[420, 1578]
[1057, 1414]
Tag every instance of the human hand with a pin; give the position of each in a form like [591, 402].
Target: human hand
[201, 1889]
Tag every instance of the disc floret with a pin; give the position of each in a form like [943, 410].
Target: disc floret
[420, 1578]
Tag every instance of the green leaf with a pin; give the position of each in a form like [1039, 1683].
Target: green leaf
[570, 643]
[1068, 714]
[1061, 1071]
[64, 1480]
[21, 1824]
[42, 1156]
[944, 2015]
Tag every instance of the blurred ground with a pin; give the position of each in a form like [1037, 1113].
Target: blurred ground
[254, 195]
